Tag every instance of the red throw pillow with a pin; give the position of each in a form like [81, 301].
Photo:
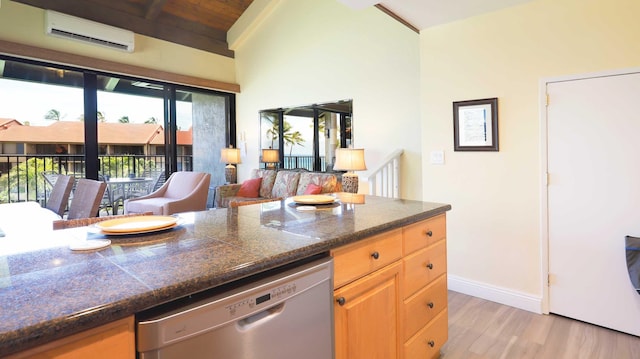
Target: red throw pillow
[313, 189]
[250, 188]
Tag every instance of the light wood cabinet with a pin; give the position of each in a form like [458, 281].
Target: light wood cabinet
[113, 340]
[425, 288]
[390, 294]
[366, 316]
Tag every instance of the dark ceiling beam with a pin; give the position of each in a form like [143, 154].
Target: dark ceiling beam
[397, 18]
[154, 9]
[164, 27]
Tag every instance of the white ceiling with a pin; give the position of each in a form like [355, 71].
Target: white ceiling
[426, 13]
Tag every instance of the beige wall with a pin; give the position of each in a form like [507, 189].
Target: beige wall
[310, 51]
[494, 227]
[25, 24]
[403, 85]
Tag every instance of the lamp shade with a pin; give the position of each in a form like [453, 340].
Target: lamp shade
[230, 155]
[349, 159]
[270, 156]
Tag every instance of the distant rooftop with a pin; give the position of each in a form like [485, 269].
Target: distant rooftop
[72, 132]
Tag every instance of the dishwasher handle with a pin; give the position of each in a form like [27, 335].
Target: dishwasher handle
[257, 319]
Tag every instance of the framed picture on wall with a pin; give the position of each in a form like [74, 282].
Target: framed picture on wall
[475, 125]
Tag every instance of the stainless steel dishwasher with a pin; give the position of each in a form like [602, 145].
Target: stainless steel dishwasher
[284, 314]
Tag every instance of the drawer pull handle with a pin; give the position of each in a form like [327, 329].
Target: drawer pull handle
[430, 305]
[429, 233]
[431, 343]
[341, 301]
[375, 255]
[430, 265]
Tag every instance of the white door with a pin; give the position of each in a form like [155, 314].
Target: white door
[594, 198]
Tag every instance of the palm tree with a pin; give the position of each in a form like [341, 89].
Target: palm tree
[288, 136]
[124, 119]
[151, 120]
[101, 117]
[52, 115]
[293, 139]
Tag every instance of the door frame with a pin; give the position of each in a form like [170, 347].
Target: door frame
[544, 175]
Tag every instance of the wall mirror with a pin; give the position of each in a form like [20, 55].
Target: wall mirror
[305, 137]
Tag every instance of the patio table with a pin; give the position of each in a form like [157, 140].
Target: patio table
[130, 186]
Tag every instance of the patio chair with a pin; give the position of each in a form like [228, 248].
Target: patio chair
[184, 191]
[50, 177]
[81, 222]
[86, 198]
[59, 195]
[112, 198]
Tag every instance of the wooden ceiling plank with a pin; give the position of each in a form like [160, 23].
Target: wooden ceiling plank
[154, 9]
[175, 30]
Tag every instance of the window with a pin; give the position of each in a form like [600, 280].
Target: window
[307, 136]
[133, 126]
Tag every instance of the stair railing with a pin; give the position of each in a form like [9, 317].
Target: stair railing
[384, 181]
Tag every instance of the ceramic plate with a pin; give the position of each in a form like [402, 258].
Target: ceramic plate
[89, 244]
[137, 224]
[314, 199]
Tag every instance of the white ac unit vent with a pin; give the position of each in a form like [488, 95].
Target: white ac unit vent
[87, 31]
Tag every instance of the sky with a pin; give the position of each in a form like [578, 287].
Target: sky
[30, 102]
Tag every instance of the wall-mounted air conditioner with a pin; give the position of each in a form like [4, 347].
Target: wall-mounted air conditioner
[87, 31]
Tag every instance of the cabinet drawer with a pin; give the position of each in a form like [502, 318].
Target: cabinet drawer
[353, 261]
[424, 306]
[423, 266]
[427, 343]
[424, 233]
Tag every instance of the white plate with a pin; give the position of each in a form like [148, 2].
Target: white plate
[89, 244]
[314, 199]
[137, 224]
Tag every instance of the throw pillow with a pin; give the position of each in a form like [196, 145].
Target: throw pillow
[250, 188]
[313, 189]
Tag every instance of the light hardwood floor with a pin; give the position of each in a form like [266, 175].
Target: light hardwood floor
[484, 329]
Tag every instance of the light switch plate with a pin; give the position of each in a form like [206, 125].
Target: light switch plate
[436, 157]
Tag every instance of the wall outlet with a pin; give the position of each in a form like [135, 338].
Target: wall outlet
[436, 157]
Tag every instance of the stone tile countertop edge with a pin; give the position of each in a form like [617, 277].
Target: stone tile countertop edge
[42, 300]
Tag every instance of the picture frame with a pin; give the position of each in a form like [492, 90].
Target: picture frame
[475, 125]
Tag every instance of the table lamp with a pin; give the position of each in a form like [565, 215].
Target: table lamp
[270, 157]
[230, 156]
[350, 159]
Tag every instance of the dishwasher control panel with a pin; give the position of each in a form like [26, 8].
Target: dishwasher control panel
[275, 294]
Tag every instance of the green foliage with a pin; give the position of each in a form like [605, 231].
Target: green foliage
[53, 115]
[113, 166]
[25, 179]
[290, 138]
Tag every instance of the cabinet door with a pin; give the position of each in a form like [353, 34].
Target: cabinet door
[113, 340]
[366, 316]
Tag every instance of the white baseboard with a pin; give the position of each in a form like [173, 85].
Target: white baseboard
[500, 295]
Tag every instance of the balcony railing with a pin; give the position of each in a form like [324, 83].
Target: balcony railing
[302, 162]
[21, 180]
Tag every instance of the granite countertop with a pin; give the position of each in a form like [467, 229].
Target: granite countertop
[48, 291]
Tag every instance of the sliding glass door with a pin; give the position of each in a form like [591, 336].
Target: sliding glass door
[97, 125]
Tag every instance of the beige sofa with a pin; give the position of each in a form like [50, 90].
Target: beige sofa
[277, 185]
